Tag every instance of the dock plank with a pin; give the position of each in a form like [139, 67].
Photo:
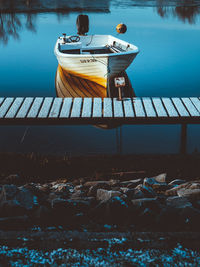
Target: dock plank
[107, 108]
[87, 108]
[180, 107]
[35, 107]
[150, 111]
[76, 107]
[24, 107]
[55, 109]
[45, 108]
[170, 107]
[97, 108]
[15, 107]
[128, 108]
[5, 106]
[190, 107]
[159, 107]
[1, 100]
[139, 110]
[196, 102]
[118, 108]
[66, 107]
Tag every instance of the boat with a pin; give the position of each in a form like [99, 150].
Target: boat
[94, 57]
[68, 85]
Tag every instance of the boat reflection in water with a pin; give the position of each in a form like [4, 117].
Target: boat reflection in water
[68, 85]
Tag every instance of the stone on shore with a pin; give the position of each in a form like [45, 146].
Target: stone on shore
[104, 195]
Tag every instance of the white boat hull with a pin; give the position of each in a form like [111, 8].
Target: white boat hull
[96, 67]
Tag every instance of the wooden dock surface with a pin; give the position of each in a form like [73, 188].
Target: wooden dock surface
[59, 111]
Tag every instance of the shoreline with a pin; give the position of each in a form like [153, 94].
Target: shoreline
[37, 167]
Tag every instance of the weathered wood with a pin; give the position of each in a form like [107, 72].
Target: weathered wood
[180, 107]
[150, 111]
[76, 108]
[1, 100]
[55, 109]
[196, 102]
[118, 108]
[97, 108]
[159, 107]
[5, 106]
[128, 108]
[44, 111]
[107, 108]
[35, 107]
[24, 107]
[14, 107]
[190, 107]
[139, 110]
[87, 108]
[66, 108]
[170, 107]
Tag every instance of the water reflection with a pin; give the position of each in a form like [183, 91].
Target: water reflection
[188, 11]
[11, 20]
[68, 85]
[11, 25]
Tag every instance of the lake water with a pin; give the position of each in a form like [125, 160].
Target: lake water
[168, 36]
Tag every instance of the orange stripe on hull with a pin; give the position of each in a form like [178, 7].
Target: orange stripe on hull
[98, 80]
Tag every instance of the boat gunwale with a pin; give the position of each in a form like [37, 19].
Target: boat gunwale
[59, 53]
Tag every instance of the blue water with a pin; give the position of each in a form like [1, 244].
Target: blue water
[167, 65]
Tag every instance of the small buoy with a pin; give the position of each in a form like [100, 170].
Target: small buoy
[121, 28]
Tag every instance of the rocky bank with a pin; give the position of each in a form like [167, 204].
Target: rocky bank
[144, 204]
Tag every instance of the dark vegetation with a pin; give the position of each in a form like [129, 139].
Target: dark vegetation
[42, 168]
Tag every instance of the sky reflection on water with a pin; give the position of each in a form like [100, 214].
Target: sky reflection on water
[168, 35]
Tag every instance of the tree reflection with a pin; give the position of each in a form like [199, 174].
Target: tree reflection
[11, 25]
[12, 12]
[186, 10]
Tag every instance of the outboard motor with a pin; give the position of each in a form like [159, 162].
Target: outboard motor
[82, 24]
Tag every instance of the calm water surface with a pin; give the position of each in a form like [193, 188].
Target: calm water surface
[168, 35]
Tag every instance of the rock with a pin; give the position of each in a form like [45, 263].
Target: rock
[173, 191]
[117, 210]
[12, 179]
[106, 195]
[63, 188]
[134, 194]
[177, 182]
[124, 190]
[178, 202]
[192, 194]
[94, 183]
[21, 195]
[8, 192]
[114, 182]
[93, 189]
[78, 194]
[112, 211]
[161, 178]
[158, 186]
[147, 191]
[131, 183]
[26, 198]
[143, 203]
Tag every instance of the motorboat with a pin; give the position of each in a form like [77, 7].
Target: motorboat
[68, 85]
[94, 57]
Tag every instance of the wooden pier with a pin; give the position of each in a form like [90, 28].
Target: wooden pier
[64, 111]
